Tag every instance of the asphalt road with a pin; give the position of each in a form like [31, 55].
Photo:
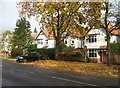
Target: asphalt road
[23, 75]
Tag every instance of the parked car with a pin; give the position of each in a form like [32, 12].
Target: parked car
[29, 57]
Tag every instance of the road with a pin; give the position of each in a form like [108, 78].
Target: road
[24, 75]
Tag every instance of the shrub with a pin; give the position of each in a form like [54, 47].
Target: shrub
[16, 51]
[115, 47]
[45, 52]
[32, 46]
[72, 55]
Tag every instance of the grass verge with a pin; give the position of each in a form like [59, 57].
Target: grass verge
[94, 69]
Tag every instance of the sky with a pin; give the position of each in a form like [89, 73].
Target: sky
[9, 15]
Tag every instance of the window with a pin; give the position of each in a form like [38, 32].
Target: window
[105, 38]
[65, 41]
[40, 41]
[46, 41]
[92, 38]
[72, 41]
[92, 53]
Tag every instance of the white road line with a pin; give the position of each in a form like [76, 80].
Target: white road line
[73, 81]
[23, 70]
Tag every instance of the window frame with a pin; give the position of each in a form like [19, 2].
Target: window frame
[40, 41]
[92, 38]
[92, 53]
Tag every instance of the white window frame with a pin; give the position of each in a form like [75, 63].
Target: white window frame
[92, 53]
[40, 41]
[92, 38]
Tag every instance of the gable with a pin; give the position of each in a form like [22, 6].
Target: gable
[41, 35]
[98, 31]
[46, 34]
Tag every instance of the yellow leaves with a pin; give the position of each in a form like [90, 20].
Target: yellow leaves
[94, 69]
[38, 5]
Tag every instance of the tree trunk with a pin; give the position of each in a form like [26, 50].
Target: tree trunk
[108, 48]
[107, 33]
[57, 36]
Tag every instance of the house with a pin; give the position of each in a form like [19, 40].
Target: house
[1, 39]
[74, 42]
[45, 39]
[96, 43]
[1, 42]
[34, 36]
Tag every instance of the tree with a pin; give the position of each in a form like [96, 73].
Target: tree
[61, 18]
[110, 11]
[21, 35]
[35, 30]
[7, 32]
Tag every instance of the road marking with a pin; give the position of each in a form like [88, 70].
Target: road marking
[73, 81]
[23, 70]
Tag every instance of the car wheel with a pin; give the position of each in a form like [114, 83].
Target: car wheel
[24, 60]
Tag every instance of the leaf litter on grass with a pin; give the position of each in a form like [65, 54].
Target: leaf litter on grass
[94, 69]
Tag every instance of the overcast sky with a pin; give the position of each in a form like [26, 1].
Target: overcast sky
[9, 16]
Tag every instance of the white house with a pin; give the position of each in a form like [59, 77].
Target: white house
[34, 36]
[74, 42]
[96, 43]
[45, 39]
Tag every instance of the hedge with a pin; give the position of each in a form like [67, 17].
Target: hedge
[115, 47]
[45, 52]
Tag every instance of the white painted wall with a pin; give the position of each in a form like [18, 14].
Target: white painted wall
[42, 38]
[51, 43]
[76, 44]
[100, 35]
[114, 38]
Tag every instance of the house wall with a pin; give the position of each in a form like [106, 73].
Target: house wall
[113, 39]
[45, 42]
[77, 42]
[41, 41]
[51, 44]
[100, 36]
[118, 38]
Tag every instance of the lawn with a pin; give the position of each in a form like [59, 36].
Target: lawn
[94, 69]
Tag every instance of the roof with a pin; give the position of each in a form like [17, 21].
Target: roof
[116, 32]
[1, 36]
[103, 47]
[34, 35]
[47, 33]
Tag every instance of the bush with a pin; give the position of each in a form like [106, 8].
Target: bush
[115, 47]
[16, 51]
[32, 46]
[72, 55]
[45, 52]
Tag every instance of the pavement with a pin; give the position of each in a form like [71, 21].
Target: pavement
[16, 75]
